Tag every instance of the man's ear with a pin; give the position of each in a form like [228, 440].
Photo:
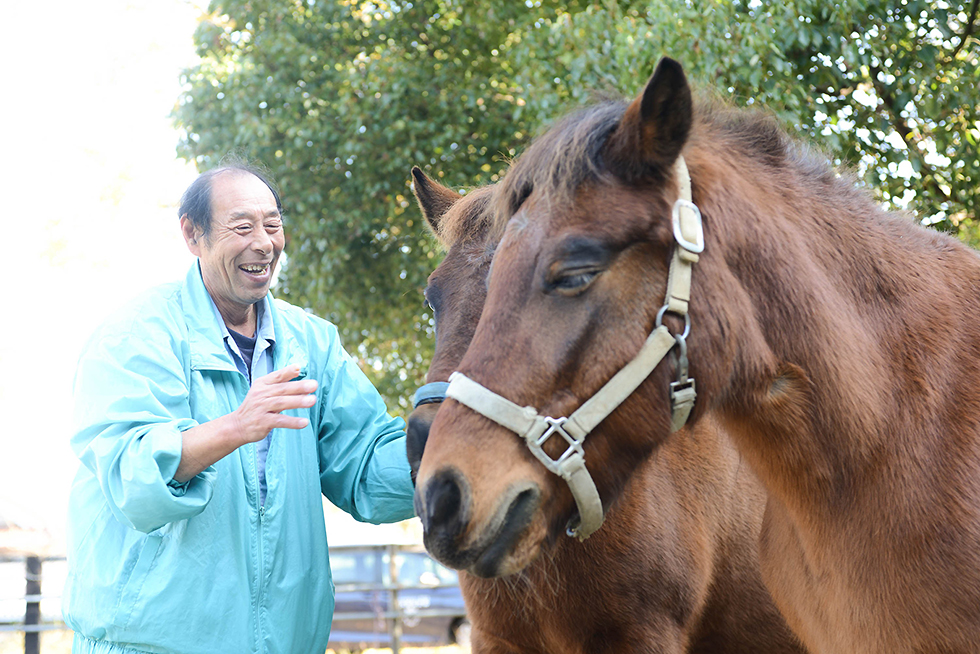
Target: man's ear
[191, 235]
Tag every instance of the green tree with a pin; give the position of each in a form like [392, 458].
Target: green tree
[340, 98]
[890, 88]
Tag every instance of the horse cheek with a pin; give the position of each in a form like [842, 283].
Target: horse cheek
[417, 434]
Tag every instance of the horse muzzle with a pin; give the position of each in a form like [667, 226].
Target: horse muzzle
[444, 505]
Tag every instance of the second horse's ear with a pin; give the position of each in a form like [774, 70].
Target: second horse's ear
[434, 199]
[654, 127]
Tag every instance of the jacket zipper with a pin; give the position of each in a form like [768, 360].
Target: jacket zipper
[260, 576]
[260, 554]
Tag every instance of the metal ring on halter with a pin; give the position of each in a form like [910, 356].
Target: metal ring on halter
[687, 321]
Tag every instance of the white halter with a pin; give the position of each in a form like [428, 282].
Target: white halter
[536, 429]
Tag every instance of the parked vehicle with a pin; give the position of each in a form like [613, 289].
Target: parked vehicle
[428, 598]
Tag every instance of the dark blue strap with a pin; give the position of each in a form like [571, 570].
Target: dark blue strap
[430, 393]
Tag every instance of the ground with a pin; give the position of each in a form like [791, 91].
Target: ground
[59, 642]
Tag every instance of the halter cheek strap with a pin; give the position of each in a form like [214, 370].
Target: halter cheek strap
[536, 429]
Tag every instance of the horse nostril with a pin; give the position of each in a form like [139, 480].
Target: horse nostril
[445, 508]
[442, 500]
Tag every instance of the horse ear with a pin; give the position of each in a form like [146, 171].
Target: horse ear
[434, 199]
[655, 126]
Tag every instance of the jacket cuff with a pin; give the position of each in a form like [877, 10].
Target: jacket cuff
[178, 488]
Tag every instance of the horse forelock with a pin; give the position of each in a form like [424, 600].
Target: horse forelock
[558, 162]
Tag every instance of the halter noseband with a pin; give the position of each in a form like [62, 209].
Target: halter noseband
[536, 429]
[431, 393]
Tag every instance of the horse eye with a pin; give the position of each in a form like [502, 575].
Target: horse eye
[575, 283]
[431, 299]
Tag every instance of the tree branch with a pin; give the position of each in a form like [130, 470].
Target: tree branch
[968, 32]
[908, 135]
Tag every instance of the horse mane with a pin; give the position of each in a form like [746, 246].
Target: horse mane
[571, 153]
[579, 138]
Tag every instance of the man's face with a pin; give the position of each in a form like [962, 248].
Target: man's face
[240, 253]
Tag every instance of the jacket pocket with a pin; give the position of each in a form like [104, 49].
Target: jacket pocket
[130, 595]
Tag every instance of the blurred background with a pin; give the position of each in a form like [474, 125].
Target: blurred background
[112, 107]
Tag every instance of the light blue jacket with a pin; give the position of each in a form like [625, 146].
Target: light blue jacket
[201, 567]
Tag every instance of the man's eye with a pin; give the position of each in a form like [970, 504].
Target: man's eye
[273, 227]
[243, 229]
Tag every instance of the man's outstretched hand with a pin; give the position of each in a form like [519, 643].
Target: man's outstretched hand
[269, 396]
[259, 413]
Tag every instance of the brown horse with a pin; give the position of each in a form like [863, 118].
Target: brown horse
[675, 567]
[837, 344]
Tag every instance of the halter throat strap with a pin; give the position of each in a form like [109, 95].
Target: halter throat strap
[536, 430]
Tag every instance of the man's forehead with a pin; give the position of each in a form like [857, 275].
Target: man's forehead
[240, 193]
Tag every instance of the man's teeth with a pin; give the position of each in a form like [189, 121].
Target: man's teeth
[255, 269]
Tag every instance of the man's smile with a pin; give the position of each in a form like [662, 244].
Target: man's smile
[255, 268]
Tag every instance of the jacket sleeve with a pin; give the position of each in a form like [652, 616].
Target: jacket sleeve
[363, 465]
[131, 406]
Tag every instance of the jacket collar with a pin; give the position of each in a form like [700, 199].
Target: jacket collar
[205, 333]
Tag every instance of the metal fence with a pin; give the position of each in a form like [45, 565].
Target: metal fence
[394, 613]
[34, 621]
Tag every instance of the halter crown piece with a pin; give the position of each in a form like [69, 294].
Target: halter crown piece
[536, 430]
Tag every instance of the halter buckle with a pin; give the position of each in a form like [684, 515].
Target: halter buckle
[682, 396]
[696, 246]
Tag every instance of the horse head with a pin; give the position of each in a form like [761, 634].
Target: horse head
[571, 302]
[455, 291]
[825, 335]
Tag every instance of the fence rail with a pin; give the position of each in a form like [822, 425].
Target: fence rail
[34, 624]
[33, 628]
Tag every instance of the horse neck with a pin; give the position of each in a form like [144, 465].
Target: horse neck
[826, 356]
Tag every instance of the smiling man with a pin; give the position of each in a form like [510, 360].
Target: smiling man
[210, 418]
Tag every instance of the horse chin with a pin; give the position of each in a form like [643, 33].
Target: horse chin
[501, 562]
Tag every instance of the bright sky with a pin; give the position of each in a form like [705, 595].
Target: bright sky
[89, 155]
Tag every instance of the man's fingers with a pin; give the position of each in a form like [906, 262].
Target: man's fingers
[281, 375]
[285, 402]
[276, 392]
[305, 386]
[290, 387]
[290, 422]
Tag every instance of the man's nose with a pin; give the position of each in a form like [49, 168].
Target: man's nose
[262, 241]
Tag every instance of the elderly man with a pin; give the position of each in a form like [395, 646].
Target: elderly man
[210, 418]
